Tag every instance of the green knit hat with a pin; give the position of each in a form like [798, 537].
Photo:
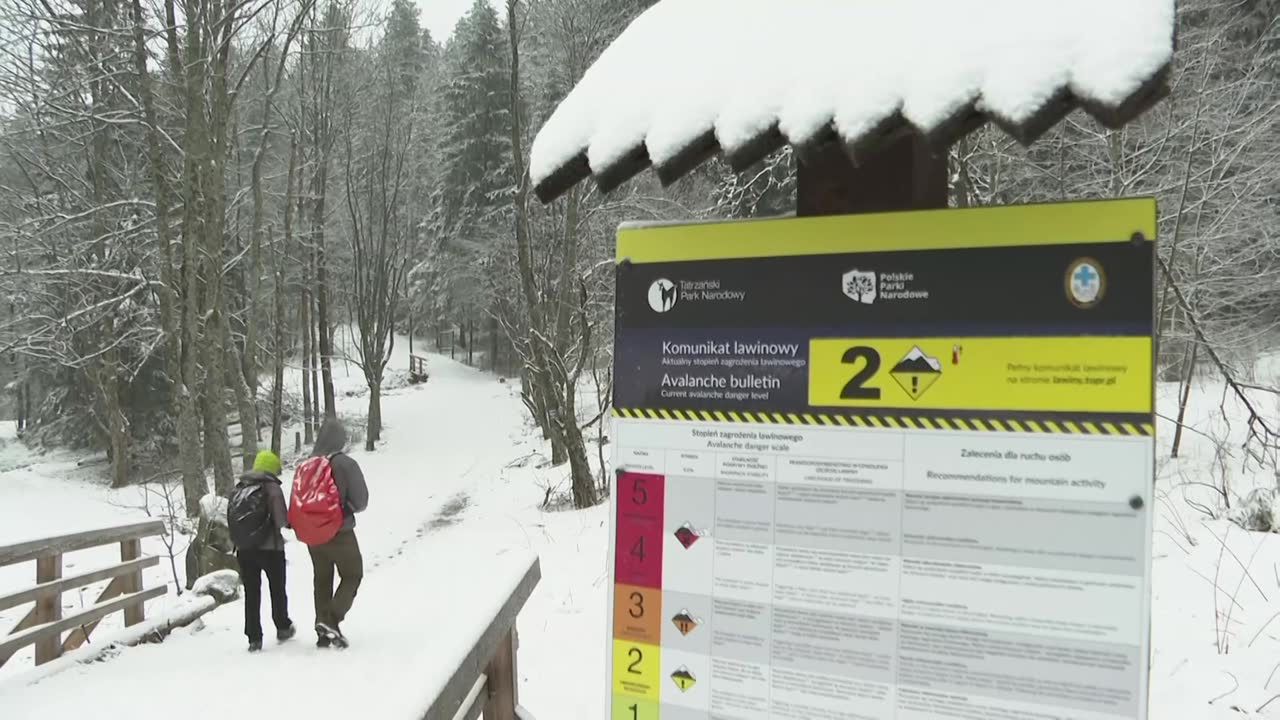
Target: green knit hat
[267, 462]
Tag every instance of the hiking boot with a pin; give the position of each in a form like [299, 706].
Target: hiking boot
[333, 633]
[323, 639]
[255, 646]
[287, 633]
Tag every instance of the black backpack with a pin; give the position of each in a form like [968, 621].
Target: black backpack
[248, 517]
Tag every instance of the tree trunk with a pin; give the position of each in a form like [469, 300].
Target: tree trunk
[563, 310]
[557, 416]
[374, 434]
[533, 399]
[584, 483]
[249, 360]
[566, 437]
[559, 452]
[315, 371]
[277, 256]
[215, 430]
[119, 448]
[493, 344]
[245, 402]
[322, 312]
[308, 402]
[171, 317]
[1184, 398]
[20, 399]
[117, 423]
[277, 389]
[194, 483]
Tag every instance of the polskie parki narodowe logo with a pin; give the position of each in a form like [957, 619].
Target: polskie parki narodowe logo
[869, 286]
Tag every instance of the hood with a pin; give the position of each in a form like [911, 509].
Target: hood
[257, 478]
[332, 438]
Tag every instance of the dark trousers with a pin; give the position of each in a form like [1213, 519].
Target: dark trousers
[342, 554]
[253, 564]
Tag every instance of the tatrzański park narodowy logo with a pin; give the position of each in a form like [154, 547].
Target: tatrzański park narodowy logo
[663, 295]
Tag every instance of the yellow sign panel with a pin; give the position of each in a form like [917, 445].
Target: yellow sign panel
[1034, 374]
[632, 708]
[637, 670]
[1016, 226]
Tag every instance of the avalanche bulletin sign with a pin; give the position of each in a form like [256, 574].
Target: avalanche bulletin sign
[879, 467]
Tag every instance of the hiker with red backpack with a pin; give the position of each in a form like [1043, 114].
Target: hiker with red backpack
[328, 490]
[255, 515]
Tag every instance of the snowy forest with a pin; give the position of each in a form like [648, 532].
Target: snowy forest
[196, 195]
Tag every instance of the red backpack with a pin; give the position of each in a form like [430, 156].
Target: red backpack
[315, 506]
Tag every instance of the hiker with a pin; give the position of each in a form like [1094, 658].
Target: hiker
[328, 490]
[255, 514]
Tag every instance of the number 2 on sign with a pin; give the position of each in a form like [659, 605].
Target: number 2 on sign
[856, 388]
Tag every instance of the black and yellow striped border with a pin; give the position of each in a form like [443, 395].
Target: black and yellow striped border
[897, 422]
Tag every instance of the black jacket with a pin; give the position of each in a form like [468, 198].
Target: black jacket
[275, 503]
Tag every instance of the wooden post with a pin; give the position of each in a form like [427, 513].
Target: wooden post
[49, 609]
[132, 550]
[501, 672]
[905, 175]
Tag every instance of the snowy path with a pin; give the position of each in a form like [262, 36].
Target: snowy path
[431, 569]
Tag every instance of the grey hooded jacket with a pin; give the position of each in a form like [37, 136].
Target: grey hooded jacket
[332, 440]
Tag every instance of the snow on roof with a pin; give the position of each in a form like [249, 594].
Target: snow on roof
[690, 77]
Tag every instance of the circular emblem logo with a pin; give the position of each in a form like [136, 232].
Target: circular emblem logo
[1086, 283]
[662, 295]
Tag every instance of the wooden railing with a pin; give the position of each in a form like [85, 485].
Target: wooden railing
[44, 624]
[484, 685]
[417, 369]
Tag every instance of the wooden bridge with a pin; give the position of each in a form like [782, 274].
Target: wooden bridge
[44, 624]
[461, 664]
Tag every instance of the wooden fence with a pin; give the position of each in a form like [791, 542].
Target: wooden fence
[484, 685]
[417, 369]
[44, 624]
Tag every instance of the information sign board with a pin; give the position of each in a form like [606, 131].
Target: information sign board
[886, 466]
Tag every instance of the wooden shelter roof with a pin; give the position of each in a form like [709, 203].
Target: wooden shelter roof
[690, 79]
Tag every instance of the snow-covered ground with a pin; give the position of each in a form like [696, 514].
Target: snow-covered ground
[457, 488]
[1216, 596]
[453, 520]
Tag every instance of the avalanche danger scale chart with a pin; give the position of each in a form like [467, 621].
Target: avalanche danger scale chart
[884, 467]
